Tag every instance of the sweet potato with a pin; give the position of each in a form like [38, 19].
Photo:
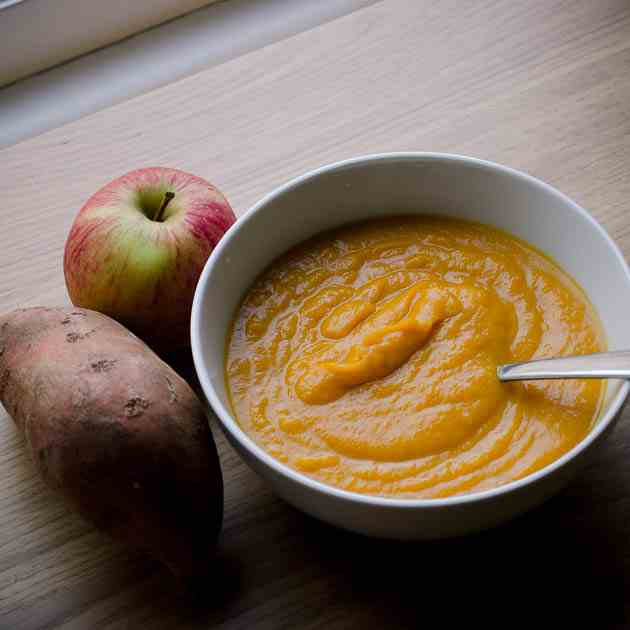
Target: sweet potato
[115, 430]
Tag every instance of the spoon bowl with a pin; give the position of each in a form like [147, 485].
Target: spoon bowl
[390, 185]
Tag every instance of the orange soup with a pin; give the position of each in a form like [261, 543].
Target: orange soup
[366, 358]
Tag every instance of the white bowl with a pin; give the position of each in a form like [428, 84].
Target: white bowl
[412, 183]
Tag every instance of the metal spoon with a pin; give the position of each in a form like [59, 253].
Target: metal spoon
[599, 365]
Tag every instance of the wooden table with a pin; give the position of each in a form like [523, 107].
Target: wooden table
[543, 86]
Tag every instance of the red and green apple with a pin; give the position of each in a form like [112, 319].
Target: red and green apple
[137, 247]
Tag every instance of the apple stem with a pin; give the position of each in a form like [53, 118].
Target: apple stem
[168, 196]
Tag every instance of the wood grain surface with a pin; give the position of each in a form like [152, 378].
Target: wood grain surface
[542, 86]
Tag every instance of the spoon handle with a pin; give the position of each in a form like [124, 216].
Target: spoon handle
[600, 365]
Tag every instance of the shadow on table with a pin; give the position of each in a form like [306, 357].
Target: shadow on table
[550, 566]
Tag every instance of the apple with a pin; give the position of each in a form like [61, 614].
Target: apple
[137, 247]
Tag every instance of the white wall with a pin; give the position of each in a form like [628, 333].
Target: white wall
[206, 37]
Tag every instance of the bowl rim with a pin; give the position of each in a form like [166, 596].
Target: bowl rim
[229, 423]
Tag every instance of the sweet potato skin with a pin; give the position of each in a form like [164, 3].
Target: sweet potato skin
[115, 430]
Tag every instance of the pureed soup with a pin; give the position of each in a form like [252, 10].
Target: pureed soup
[366, 358]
